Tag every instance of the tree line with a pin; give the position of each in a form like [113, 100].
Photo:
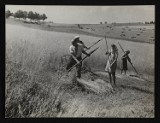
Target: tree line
[24, 15]
[151, 22]
[104, 22]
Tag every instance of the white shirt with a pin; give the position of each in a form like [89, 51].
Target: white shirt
[79, 50]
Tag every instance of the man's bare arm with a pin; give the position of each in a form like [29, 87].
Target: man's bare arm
[84, 45]
[84, 52]
[73, 56]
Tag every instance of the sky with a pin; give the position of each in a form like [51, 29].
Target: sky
[90, 14]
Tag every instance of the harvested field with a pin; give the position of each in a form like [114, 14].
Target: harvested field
[98, 30]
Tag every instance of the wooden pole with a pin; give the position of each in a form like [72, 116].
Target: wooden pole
[129, 61]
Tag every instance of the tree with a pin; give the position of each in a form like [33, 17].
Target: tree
[25, 15]
[37, 16]
[151, 22]
[31, 15]
[146, 22]
[8, 14]
[105, 22]
[100, 22]
[19, 14]
[44, 17]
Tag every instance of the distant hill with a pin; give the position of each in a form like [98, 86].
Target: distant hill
[137, 32]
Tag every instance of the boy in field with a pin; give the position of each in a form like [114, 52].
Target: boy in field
[76, 50]
[124, 59]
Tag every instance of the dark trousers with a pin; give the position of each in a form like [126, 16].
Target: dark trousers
[72, 62]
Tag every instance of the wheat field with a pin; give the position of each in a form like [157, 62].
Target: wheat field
[33, 88]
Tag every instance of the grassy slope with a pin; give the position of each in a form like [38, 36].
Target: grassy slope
[143, 35]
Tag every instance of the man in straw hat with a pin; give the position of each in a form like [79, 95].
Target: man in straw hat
[77, 38]
[124, 59]
[76, 50]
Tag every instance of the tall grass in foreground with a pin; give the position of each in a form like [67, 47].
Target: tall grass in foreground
[32, 84]
[33, 87]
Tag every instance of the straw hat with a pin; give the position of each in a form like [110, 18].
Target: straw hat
[76, 37]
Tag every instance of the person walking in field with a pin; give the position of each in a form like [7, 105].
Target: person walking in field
[76, 50]
[112, 63]
[124, 59]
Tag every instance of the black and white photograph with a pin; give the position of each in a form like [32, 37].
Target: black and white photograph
[79, 61]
